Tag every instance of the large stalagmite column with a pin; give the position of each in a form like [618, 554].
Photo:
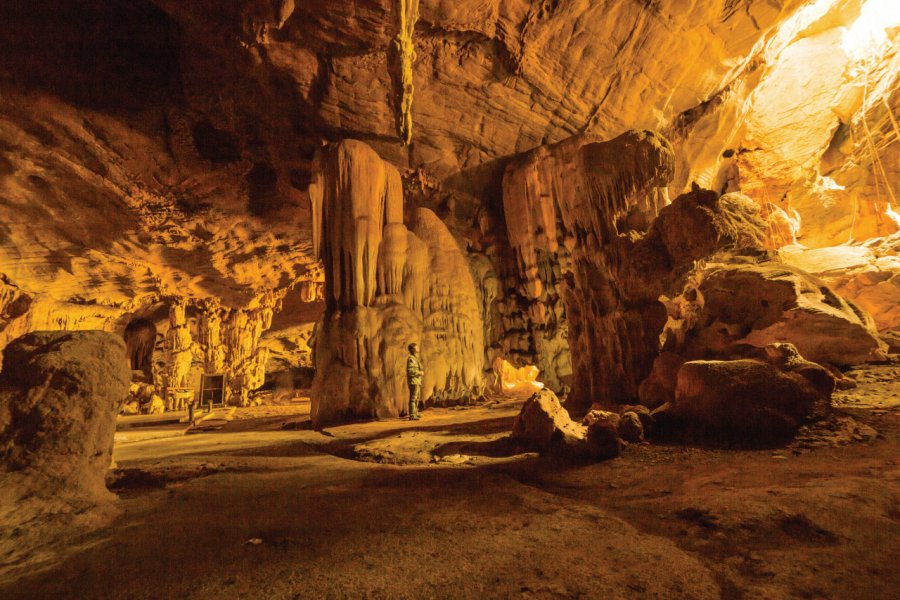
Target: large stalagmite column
[179, 348]
[386, 287]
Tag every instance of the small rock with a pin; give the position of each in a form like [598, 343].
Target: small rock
[157, 406]
[630, 428]
[603, 438]
[544, 424]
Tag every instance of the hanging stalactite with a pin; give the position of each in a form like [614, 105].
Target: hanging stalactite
[408, 14]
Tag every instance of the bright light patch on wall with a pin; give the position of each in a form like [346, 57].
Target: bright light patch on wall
[867, 36]
[828, 184]
[892, 214]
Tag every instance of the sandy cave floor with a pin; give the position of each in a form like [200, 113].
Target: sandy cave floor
[447, 508]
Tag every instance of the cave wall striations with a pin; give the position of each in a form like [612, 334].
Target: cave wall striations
[806, 129]
[386, 286]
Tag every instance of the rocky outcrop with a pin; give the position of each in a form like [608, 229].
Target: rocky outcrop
[543, 424]
[733, 306]
[866, 274]
[751, 401]
[760, 303]
[386, 286]
[59, 395]
[603, 199]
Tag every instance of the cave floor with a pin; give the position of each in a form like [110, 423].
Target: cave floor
[445, 508]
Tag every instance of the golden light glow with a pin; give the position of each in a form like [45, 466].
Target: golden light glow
[867, 37]
[892, 214]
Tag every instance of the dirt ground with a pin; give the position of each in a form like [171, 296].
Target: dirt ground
[446, 507]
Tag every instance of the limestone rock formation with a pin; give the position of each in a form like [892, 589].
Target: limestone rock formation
[545, 425]
[867, 274]
[732, 306]
[386, 286]
[751, 401]
[590, 194]
[59, 404]
[757, 304]
[604, 197]
[59, 396]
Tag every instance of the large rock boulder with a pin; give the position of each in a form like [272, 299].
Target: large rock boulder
[756, 304]
[734, 306]
[59, 395]
[867, 274]
[750, 401]
[543, 424]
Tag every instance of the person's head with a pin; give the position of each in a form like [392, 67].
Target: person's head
[413, 348]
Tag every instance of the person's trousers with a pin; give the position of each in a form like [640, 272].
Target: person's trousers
[415, 391]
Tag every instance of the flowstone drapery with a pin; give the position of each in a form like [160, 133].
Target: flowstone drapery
[386, 286]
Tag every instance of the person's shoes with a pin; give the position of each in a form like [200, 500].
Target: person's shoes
[414, 418]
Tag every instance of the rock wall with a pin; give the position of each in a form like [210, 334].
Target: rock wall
[630, 252]
[806, 128]
[386, 286]
[593, 197]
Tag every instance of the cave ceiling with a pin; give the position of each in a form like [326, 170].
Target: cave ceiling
[165, 147]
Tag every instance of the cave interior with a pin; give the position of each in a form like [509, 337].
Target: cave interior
[648, 253]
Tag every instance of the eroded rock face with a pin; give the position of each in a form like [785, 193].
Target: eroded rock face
[751, 401]
[545, 425]
[60, 393]
[867, 274]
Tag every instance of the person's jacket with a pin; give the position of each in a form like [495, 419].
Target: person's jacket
[414, 371]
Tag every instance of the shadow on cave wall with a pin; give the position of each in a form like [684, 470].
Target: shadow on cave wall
[106, 55]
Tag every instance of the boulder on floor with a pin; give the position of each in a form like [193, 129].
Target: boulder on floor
[602, 434]
[644, 414]
[631, 429]
[751, 401]
[59, 395]
[543, 424]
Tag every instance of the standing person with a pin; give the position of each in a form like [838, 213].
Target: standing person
[414, 372]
